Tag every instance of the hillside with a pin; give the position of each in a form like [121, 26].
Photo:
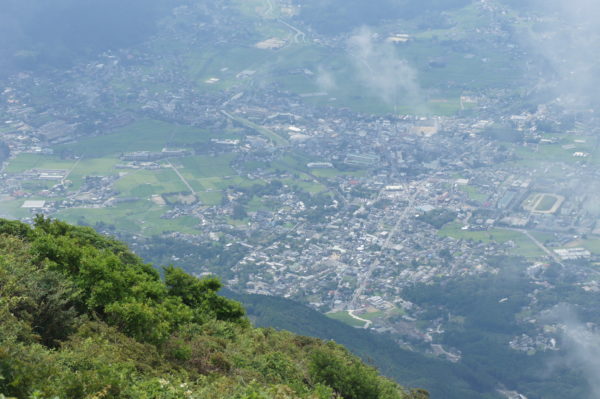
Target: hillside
[441, 378]
[83, 317]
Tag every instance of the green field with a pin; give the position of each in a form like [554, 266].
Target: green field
[274, 137]
[255, 204]
[454, 230]
[523, 245]
[144, 183]
[78, 169]
[349, 90]
[208, 175]
[11, 209]
[542, 236]
[546, 204]
[373, 315]
[140, 217]
[344, 317]
[441, 87]
[210, 197]
[333, 173]
[473, 193]
[527, 248]
[296, 67]
[205, 166]
[538, 156]
[543, 203]
[25, 162]
[142, 135]
[219, 183]
[591, 244]
[33, 186]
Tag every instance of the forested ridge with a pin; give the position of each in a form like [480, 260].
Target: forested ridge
[81, 316]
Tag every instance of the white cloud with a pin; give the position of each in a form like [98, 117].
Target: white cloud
[382, 71]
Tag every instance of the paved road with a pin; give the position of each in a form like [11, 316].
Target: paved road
[182, 178]
[300, 36]
[538, 243]
[336, 193]
[271, 135]
[269, 10]
[71, 170]
[367, 322]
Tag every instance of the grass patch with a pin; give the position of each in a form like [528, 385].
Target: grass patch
[25, 162]
[306, 184]
[141, 217]
[345, 318]
[591, 244]
[473, 193]
[144, 183]
[95, 167]
[542, 237]
[373, 315]
[206, 166]
[533, 156]
[331, 173]
[210, 197]
[455, 230]
[546, 203]
[527, 248]
[255, 204]
[523, 245]
[219, 183]
[142, 135]
[271, 135]
[11, 209]
[37, 185]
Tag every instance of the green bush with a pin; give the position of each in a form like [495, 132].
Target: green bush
[83, 317]
[349, 377]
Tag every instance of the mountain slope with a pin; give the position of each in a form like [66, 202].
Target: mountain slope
[83, 317]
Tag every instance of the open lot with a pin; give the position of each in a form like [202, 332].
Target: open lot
[144, 183]
[344, 317]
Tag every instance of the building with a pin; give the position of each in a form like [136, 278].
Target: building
[573, 253]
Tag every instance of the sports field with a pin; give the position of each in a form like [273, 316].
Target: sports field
[543, 203]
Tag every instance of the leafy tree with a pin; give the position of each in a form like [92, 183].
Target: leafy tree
[202, 295]
[350, 379]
